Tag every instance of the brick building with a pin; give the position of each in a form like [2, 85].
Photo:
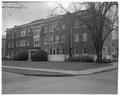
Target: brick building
[3, 47]
[56, 35]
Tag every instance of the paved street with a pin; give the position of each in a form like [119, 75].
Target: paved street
[102, 83]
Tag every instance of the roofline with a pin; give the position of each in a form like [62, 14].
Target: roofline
[41, 21]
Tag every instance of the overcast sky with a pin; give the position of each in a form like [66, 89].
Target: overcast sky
[32, 12]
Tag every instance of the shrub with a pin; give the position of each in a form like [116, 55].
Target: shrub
[83, 58]
[39, 55]
[107, 61]
[87, 58]
[21, 56]
[5, 58]
[115, 57]
[74, 59]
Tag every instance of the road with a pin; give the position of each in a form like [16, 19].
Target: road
[101, 83]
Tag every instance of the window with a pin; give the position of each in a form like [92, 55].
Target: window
[50, 51]
[114, 35]
[36, 33]
[12, 35]
[54, 51]
[53, 27]
[57, 39]
[17, 43]
[22, 43]
[76, 39]
[23, 33]
[50, 28]
[51, 39]
[45, 28]
[9, 44]
[12, 44]
[57, 51]
[104, 51]
[63, 39]
[63, 51]
[9, 35]
[17, 34]
[46, 50]
[63, 26]
[11, 54]
[84, 50]
[45, 40]
[27, 42]
[28, 32]
[76, 24]
[75, 50]
[36, 42]
[84, 36]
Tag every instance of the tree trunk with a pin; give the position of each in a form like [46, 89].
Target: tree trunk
[99, 56]
[70, 52]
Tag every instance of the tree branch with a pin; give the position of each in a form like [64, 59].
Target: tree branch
[11, 7]
[75, 16]
[109, 33]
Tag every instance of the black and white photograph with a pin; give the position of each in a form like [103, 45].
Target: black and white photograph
[59, 47]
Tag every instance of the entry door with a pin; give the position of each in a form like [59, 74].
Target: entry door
[104, 52]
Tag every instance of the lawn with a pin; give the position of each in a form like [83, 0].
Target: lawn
[74, 66]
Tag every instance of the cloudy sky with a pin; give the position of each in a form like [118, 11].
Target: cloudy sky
[31, 12]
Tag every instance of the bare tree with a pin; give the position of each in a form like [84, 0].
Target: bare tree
[10, 6]
[104, 19]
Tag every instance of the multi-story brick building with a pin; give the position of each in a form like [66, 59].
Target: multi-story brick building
[3, 47]
[58, 36]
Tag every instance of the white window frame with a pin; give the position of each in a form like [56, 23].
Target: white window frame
[76, 37]
[12, 36]
[27, 42]
[12, 44]
[36, 33]
[45, 40]
[50, 51]
[114, 35]
[22, 43]
[76, 24]
[63, 26]
[53, 27]
[106, 50]
[63, 51]
[23, 33]
[36, 44]
[9, 35]
[46, 28]
[84, 50]
[17, 43]
[9, 45]
[84, 37]
[57, 39]
[75, 50]
[28, 32]
[57, 51]
[63, 40]
[17, 34]
[51, 40]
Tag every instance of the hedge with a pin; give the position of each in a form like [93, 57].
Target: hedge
[83, 58]
[39, 55]
[21, 56]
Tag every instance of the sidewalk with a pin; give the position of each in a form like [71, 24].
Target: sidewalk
[55, 68]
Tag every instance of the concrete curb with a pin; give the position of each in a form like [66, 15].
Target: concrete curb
[82, 72]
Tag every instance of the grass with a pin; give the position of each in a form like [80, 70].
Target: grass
[74, 66]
